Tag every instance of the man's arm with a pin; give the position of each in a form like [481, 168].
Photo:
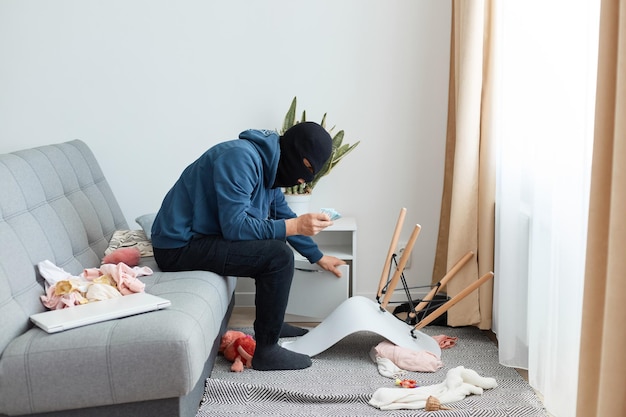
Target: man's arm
[308, 224]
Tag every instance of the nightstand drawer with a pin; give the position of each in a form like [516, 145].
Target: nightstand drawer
[315, 293]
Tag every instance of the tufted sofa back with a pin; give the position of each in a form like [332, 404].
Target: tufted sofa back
[55, 204]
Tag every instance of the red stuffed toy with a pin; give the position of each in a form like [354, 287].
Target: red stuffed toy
[238, 348]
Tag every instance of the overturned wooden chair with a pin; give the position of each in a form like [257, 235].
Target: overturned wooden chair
[359, 313]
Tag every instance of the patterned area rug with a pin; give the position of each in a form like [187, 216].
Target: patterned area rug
[343, 378]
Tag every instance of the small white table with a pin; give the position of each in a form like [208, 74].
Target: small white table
[315, 293]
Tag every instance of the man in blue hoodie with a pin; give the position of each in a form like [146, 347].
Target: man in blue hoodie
[227, 214]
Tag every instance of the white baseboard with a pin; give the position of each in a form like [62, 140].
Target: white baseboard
[244, 299]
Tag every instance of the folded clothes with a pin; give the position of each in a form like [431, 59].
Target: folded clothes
[459, 383]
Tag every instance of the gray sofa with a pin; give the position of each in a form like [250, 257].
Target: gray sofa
[56, 205]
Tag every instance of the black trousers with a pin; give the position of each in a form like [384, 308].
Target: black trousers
[269, 262]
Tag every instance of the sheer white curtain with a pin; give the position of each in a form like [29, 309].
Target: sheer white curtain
[545, 94]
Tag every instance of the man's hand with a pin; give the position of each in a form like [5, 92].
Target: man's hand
[330, 264]
[308, 224]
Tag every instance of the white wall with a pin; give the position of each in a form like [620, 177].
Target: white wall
[151, 84]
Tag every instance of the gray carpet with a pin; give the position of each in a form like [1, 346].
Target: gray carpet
[343, 379]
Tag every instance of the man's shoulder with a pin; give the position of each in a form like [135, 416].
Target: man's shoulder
[231, 146]
[257, 133]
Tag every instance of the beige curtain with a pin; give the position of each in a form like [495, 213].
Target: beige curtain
[602, 368]
[467, 210]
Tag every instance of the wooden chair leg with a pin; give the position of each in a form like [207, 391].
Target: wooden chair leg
[400, 268]
[445, 307]
[442, 282]
[392, 249]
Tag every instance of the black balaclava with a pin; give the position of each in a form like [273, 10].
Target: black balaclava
[304, 140]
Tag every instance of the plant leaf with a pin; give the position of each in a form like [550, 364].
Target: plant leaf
[339, 150]
[290, 117]
[338, 139]
[344, 150]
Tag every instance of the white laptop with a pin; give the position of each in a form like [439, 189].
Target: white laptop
[67, 318]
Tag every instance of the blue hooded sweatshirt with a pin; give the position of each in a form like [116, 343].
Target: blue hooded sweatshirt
[228, 191]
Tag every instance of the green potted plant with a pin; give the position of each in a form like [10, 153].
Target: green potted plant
[339, 150]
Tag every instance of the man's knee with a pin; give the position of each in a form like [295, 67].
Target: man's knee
[282, 252]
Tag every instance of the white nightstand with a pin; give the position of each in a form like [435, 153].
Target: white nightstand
[315, 293]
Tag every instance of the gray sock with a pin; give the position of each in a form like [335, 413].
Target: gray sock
[292, 331]
[277, 358]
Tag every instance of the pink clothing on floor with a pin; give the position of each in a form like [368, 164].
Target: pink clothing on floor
[445, 342]
[410, 360]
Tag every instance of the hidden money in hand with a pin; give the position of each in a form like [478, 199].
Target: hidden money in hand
[332, 213]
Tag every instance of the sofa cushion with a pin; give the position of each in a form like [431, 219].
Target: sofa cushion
[145, 221]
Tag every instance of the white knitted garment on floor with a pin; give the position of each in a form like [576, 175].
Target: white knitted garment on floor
[459, 383]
